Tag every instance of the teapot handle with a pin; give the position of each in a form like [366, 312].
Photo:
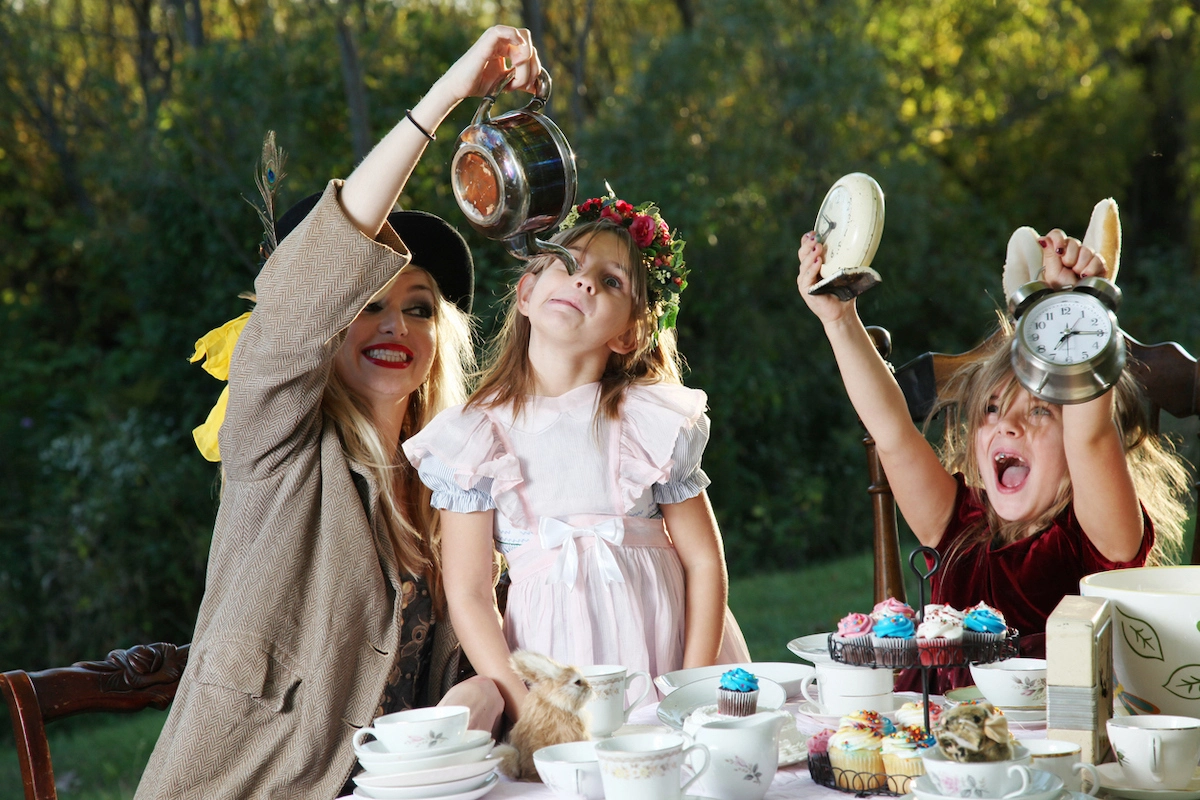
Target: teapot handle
[525, 246]
[540, 97]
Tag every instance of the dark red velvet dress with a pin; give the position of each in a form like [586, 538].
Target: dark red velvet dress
[1024, 580]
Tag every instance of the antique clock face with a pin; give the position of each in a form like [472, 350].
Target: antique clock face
[1068, 347]
[1067, 328]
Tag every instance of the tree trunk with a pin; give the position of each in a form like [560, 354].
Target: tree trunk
[356, 90]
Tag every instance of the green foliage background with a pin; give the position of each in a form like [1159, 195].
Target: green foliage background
[128, 142]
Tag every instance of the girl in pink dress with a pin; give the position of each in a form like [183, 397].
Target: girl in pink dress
[578, 458]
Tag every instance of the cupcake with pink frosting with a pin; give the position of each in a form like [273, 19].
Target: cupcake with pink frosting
[854, 634]
[890, 607]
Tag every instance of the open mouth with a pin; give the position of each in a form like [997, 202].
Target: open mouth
[1011, 470]
[393, 356]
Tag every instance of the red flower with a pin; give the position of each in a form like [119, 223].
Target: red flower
[643, 230]
[589, 205]
[608, 213]
[625, 209]
[664, 233]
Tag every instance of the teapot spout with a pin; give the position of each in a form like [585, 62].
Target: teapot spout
[526, 246]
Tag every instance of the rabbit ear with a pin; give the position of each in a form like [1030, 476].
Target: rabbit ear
[1023, 262]
[995, 727]
[533, 667]
[1104, 235]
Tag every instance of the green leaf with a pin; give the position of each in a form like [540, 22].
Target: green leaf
[1141, 637]
[1185, 682]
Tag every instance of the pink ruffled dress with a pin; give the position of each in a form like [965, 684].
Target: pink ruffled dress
[595, 577]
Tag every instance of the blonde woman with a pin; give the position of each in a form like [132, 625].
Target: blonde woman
[323, 578]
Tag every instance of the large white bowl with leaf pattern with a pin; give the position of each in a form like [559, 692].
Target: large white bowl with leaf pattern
[1156, 637]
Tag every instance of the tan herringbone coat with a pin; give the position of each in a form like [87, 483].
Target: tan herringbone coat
[300, 621]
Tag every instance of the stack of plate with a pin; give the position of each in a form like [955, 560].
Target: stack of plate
[1030, 718]
[464, 770]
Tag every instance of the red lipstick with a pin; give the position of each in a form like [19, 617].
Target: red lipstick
[388, 355]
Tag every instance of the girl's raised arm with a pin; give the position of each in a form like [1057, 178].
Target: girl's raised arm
[467, 577]
[372, 189]
[923, 489]
[1105, 499]
[693, 529]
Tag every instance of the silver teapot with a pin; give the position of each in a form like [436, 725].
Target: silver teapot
[514, 176]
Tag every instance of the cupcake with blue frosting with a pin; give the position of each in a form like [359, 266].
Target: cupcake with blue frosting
[737, 695]
[983, 626]
[895, 641]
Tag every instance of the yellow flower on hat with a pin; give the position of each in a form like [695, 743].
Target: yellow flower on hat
[216, 348]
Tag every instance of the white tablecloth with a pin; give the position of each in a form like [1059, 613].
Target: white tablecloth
[791, 783]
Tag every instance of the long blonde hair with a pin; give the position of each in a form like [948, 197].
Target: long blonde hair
[412, 523]
[1159, 474]
[507, 376]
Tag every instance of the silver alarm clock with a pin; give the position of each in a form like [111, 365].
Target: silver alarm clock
[1068, 347]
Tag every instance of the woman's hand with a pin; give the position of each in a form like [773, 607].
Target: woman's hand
[1065, 261]
[827, 307]
[481, 67]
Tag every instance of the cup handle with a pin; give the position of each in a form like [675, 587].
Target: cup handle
[687, 751]
[1023, 771]
[1156, 765]
[809, 680]
[1093, 776]
[360, 734]
[645, 690]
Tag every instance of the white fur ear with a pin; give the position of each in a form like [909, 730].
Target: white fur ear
[532, 667]
[1023, 262]
[1104, 235]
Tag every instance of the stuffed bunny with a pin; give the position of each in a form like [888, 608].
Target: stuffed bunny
[553, 712]
[974, 732]
[1103, 237]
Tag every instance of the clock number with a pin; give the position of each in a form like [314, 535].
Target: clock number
[1035, 337]
[1041, 348]
[1040, 325]
[1066, 310]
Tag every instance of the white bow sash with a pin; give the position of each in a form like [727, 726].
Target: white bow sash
[556, 533]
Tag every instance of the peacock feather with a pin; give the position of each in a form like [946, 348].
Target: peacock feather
[270, 175]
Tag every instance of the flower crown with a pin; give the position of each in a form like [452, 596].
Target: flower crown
[662, 250]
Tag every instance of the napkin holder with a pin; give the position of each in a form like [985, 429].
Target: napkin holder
[1079, 675]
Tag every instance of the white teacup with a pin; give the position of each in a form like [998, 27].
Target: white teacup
[417, 729]
[570, 770]
[844, 689]
[1156, 751]
[1062, 759]
[1012, 683]
[992, 779]
[610, 684]
[647, 766]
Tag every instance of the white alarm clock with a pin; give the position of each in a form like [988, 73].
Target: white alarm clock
[1068, 347]
[850, 225]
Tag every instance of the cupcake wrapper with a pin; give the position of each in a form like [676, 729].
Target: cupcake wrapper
[736, 704]
[900, 771]
[857, 650]
[940, 652]
[857, 770]
[891, 652]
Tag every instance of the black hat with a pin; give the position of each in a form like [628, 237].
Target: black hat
[436, 246]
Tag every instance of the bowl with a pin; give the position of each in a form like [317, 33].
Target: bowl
[1156, 636]
[570, 770]
[1013, 683]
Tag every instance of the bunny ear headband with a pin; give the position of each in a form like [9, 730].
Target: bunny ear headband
[1023, 262]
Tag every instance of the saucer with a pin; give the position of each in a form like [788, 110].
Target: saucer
[964, 694]
[789, 676]
[1042, 786]
[1112, 781]
[390, 766]
[470, 794]
[425, 777]
[676, 706]
[371, 788]
[375, 750]
[1024, 714]
[813, 648]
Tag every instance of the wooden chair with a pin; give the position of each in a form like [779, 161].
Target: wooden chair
[1168, 373]
[128, 680]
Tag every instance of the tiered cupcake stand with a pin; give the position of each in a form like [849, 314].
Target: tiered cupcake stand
[928, 661]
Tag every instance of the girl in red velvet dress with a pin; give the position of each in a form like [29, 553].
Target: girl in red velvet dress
[1028, 496]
